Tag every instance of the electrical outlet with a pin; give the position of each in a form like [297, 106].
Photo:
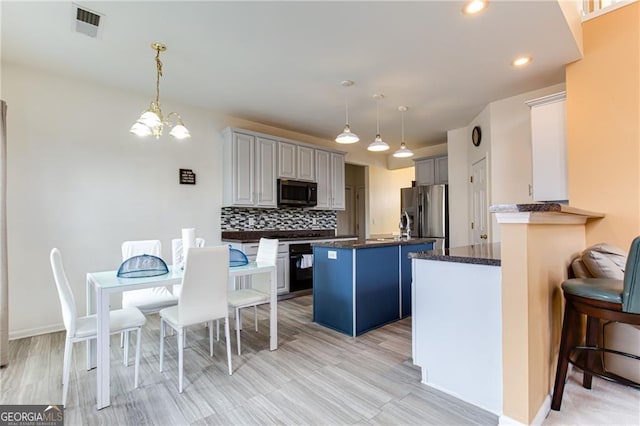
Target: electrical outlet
[251, 221]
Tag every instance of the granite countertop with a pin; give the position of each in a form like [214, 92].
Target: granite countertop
[542, 207]
[358, 244]
[479, 254]
[295, 235]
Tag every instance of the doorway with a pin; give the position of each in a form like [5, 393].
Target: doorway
[479, 210]
[352, 220]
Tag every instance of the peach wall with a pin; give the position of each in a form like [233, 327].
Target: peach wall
[384, 198]
[532, 301]
[603, 126]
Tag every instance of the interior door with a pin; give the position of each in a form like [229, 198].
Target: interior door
[346, 217]
[479, 207]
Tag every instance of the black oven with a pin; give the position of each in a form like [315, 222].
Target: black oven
[297, 193]
[300, 267]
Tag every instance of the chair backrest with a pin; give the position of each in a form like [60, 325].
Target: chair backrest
[267, 251]
[176, 249]
[204, 285]
[631, 290]
[136, 248]
[67, 302]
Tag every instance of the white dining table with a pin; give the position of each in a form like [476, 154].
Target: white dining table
[100, 286]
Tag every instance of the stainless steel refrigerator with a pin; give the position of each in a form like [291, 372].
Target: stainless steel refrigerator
[428, 210]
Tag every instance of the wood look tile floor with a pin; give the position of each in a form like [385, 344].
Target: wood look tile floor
[317, 376]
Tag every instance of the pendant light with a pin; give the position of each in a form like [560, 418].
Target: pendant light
[378, 144]
[347, 136]
[151, 122]
[403, 152]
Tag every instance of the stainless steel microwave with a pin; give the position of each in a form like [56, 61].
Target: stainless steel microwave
[296, 193]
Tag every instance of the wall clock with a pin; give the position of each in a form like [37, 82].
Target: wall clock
[476, 136]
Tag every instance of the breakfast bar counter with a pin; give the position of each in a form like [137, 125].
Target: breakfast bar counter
[457, 322]
[361, 285]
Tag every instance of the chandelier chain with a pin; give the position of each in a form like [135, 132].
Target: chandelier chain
[159, 74]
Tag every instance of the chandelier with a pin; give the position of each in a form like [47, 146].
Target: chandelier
[152, 121]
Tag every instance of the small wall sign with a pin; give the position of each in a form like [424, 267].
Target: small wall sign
[187, 177]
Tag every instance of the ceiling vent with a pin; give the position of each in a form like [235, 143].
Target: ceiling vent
[87, 22]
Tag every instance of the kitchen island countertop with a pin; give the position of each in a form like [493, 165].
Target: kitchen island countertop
[477, 254]
[359, 244]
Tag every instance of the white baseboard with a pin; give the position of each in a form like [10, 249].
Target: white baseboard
[29, 332]
[457, 396]
[537, 420]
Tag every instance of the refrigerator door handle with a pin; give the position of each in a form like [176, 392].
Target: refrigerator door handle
[421, 217]
[427, 216]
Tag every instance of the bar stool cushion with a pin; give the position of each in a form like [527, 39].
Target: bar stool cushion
[603, 289]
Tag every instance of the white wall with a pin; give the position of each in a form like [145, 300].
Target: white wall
[79, 181]
[511, 172]
[506, 143]
[458, 164]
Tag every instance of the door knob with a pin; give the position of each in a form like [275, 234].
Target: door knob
[483, 236]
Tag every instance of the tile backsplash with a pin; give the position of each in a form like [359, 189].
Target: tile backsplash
[286, 218]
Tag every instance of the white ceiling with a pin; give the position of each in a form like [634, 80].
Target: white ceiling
[281, 63]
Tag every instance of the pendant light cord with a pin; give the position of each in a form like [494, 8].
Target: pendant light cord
[346, 102]
[402, 126]
[378, 117]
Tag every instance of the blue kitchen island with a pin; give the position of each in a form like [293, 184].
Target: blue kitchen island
[362, 285]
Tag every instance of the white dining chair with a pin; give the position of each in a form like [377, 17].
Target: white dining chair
[147, 300]
[177, 256]
[85, 327]
[203, 299]
[260, 291]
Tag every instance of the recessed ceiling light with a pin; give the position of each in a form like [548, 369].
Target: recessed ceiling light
[474, 6]
[521, 61]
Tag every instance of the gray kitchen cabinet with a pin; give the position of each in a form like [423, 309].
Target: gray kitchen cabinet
[431, 170]
[441, 170]
[306, 163]
[330, 179]
[549, 148]
[295, 161]
[249, 170]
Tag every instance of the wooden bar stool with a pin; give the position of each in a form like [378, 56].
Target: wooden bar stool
[598, 299]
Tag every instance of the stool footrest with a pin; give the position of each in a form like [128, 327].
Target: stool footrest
[578, 357]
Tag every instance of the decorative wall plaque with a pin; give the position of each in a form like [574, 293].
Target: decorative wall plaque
[187, 177]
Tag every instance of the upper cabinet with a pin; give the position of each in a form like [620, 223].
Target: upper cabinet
[549, 147]
[253, 162]
[432, 170]
[249, 176]
[330, 178]
[296, 161]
